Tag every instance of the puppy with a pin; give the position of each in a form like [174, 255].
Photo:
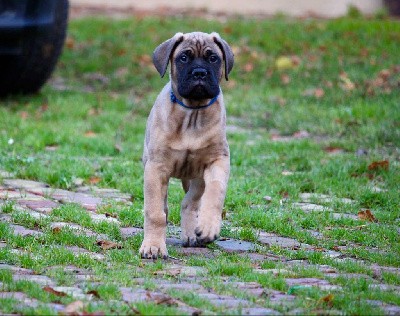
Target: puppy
[186, 139]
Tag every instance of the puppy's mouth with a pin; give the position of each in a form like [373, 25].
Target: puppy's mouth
[198, 90]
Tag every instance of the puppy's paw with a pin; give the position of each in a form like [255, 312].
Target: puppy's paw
[152, 249]
[207, 232]
[189, 241]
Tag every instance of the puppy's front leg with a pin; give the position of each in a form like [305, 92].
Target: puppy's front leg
[210, 213]
[155, 221]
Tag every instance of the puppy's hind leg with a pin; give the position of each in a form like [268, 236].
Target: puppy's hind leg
[190, 205]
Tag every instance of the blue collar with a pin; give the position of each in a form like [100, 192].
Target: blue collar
[174, 99]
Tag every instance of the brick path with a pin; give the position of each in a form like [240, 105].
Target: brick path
[38, 200]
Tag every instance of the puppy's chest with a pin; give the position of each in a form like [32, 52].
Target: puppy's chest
[191, 163]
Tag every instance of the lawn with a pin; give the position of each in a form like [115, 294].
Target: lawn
[313, 107]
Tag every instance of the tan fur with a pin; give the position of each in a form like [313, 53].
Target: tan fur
[190, 145]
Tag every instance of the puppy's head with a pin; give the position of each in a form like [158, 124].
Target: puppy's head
[198, 61]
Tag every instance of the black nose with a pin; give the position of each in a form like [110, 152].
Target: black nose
[199, 73]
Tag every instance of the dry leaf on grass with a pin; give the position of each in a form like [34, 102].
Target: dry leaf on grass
[50, 290]
[145, 60]
[346, 83]
[106, 245]
[90, 134]
[24, 115]
[367, 216]
[69, 42]
[94, 180]
[377, 165]
[248, 67]
[333, 150]
[223, 215]
[133, 309]
[328, 299]
[164, 299]
[285, 79]
[56, 230]
[94, 293]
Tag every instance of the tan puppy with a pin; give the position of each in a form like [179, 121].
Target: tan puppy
[185, 139]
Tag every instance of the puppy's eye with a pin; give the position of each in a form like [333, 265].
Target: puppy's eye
[213, 59]
[184, 58]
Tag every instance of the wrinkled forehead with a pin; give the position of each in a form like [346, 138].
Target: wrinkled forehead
[199, 44]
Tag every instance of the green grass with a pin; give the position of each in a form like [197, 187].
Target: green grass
[96, 128]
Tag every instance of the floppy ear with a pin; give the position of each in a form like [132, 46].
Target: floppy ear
[163, 52]
[226, 51]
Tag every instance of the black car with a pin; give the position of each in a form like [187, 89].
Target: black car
[32, 34]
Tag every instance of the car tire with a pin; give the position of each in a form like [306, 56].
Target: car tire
[27, 72]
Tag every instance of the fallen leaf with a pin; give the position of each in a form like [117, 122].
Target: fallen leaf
[70, 42]
[367, 215]
[284, 62]
[223, 215]
[319, 93]
[328, 299]
[329, 270]
[301, 134]
[49, 289]
[90, 134]
[346, 83]
[106, 245]
[228, 30]
[164, 299]
[364, 52]
[133, 309]
[333, 150]
[170, 272]
[94, 293]
[377, 165]
[145, 60]
[56, 230]
[121, 52]
[248, 67]
[94, 180]
[296, 60]
[285, 79]
[231, 84]
[384, 74]
[24, 115]
[73, 308]
[284, 194]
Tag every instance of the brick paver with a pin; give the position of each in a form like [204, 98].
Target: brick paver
[38, 200]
